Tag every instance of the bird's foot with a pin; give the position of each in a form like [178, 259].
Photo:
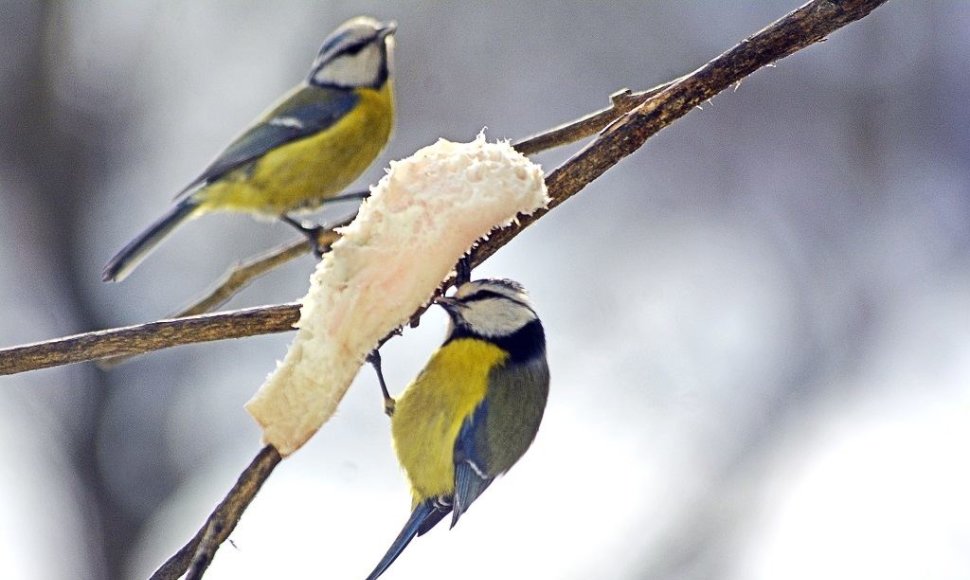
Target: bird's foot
[312, 233]
[374, 358]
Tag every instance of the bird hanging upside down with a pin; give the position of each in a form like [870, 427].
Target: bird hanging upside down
[474, 409]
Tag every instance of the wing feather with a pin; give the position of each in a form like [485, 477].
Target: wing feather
[305, 112]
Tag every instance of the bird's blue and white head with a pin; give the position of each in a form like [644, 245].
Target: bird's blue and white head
[358, 54]
[490, 308]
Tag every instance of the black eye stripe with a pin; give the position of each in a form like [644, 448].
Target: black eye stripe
[356, 47]
[492, 295]
[486, 294]
[350, 49]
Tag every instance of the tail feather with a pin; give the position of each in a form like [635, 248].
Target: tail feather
[425, 511]
[118, 268]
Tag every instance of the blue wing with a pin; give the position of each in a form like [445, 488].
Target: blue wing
[500, 430]
[306, 112]
[472, 475]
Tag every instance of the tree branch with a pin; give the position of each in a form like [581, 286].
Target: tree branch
[803, 27]
[142, 338]
[198, 553]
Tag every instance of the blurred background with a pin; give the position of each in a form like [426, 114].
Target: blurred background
[759, 324]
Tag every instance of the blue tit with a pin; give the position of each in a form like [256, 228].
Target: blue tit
[474, 409]
[304, 150]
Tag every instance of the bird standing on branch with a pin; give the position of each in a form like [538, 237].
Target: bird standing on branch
[303, 151]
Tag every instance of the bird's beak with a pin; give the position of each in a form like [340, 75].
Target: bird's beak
[387, 29]
[447, 303]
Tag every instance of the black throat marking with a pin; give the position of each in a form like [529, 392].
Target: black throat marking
[524, 344]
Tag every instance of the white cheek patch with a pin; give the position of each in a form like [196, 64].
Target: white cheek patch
[352, 70]
[496, 316]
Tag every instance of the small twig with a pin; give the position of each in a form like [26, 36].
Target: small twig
[198, 552]
[242, 274]
[623, 101]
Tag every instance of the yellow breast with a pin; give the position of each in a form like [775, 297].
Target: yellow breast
[302, 174]
[430, 412]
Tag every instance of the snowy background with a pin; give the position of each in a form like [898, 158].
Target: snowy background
[759, 324]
